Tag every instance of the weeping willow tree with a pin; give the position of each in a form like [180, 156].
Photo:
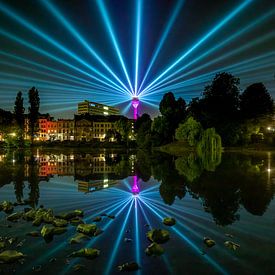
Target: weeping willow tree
[209, 149]
[189, 166]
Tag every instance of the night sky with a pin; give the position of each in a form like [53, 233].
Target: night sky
[58, 57]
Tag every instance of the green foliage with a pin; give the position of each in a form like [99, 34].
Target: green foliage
[34, 102]
[189, 166]
[189, 131]
[143, 127]
[20, 118]
[210, 143]
[124, 128]
[256, 102]
[173, 112]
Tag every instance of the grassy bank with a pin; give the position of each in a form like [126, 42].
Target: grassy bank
[176, 148]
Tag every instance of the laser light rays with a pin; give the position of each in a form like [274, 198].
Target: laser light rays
[203, 39]
[139, 4]
[108, 24]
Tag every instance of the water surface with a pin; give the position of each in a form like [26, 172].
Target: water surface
[232, 194]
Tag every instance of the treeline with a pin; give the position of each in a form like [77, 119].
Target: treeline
[238, 118]
[12, 124]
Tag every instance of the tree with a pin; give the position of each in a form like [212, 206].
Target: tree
[19, 116]
[210, 143]
[221, 99]
[189, 131]
[124, 128]
[173, 112]
[256, 102]
[143, 127]
[34, 102]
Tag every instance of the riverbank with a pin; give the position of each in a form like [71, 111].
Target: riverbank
[179, 148]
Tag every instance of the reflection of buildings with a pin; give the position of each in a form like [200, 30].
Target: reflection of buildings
[95, 185]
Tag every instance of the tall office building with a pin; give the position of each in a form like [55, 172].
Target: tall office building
[93, 108]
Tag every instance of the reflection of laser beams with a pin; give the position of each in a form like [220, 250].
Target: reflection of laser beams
[161, 214]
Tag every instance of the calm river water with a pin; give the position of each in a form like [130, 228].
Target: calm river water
[226, 199]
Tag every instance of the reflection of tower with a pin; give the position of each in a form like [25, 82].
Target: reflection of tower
[135, 188]
[135, 103]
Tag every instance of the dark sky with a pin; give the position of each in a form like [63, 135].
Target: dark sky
[60, 93]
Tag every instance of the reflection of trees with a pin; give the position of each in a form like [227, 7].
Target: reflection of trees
[143, 165]
[192, 165]
[172, 184]
[33, 182]
[189, 166]
[237, 180]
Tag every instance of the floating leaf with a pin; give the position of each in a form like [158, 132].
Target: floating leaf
[154, 249]
[89, 253]
[232, 245]
[11, 256]
[88, 229]
[209, 242]
[78, 238]
[169, 221]
[158, 235]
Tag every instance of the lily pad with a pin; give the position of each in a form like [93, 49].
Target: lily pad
[71, 215]
[158, 235]
[232, 245]
[89, 253]
[7, 207]
[209, 242]
[47, 232]
[11, 256]
[14, 217]
[78, 238]
[59, 230]
[60, 222]
[29, 215]
[76, 221]
[169, 221]
[154, 249]
[37, 221]
[88, 229]
[132, 266]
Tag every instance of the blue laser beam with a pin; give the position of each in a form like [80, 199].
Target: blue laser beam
[169, 25]
[218, 46]
[139, 4]
[202, 40]
[46, 37]
[111, 32]
[77, 35]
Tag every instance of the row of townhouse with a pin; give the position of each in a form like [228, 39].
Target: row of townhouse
[82, 128]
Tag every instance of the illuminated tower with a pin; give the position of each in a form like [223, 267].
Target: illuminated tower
[135, 188]
[135, 103]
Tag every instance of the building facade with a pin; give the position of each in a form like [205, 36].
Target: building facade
[93, 108]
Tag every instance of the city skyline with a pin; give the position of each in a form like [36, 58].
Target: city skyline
[110, 53]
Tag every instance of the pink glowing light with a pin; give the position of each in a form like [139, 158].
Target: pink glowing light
[135, 188]
[135, 104]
